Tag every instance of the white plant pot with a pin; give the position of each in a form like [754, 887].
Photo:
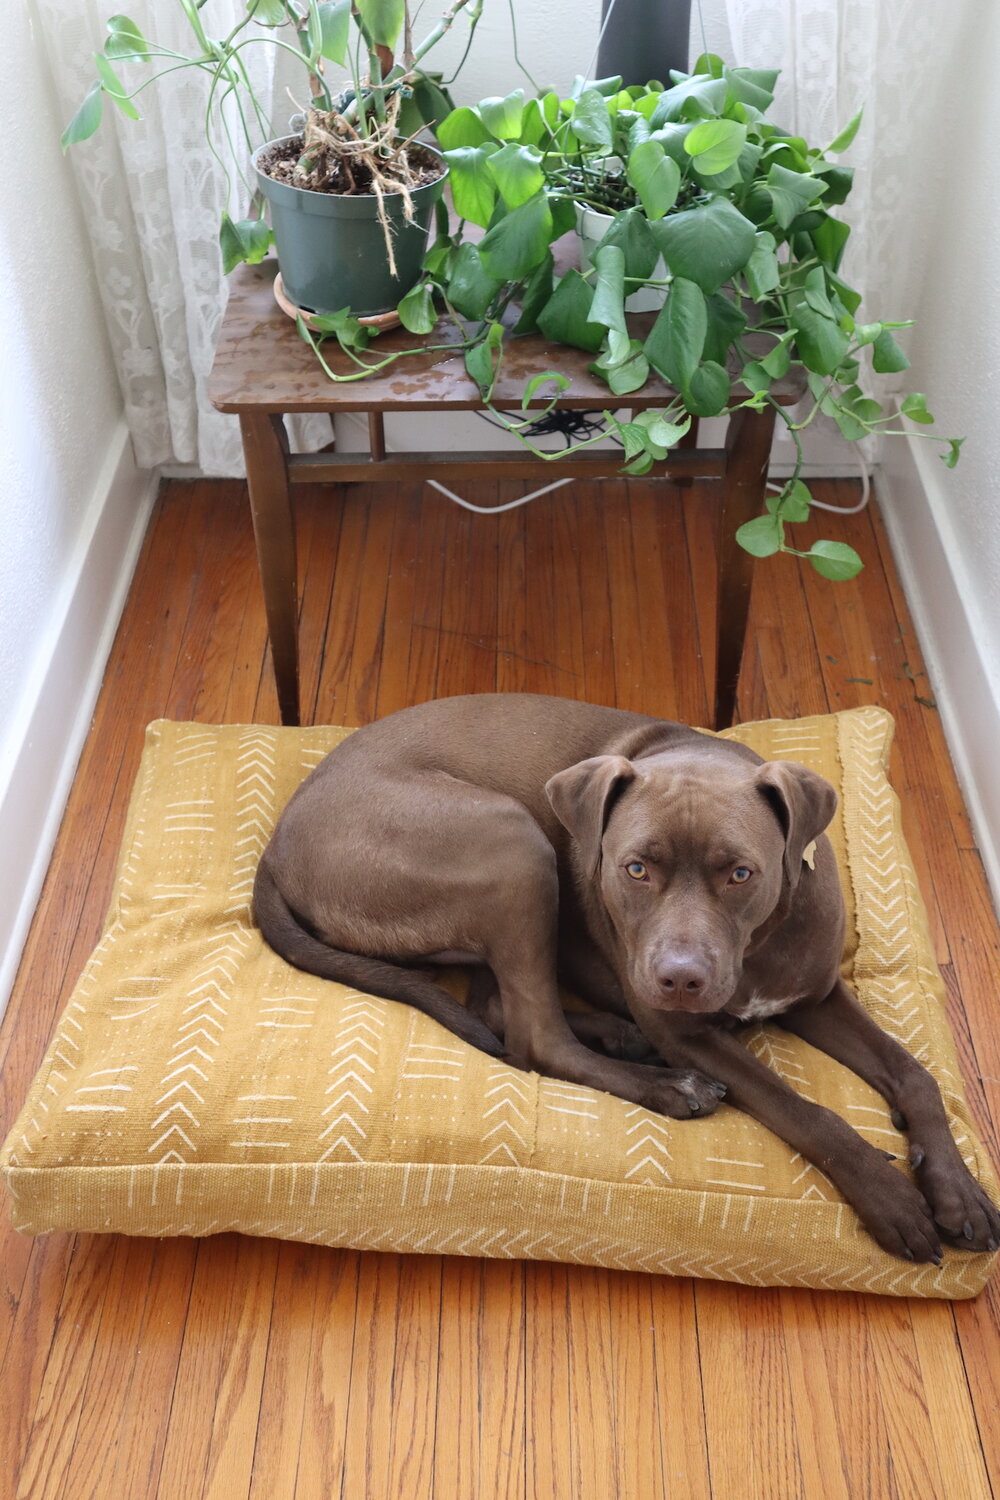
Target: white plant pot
[591, 227]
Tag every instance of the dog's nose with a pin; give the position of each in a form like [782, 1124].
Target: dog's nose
[681, 977]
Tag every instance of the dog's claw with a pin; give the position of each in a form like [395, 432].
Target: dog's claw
[720, 1089]
[916, 1156]
[992, 1246]
[899, 1119]
[967, 1229]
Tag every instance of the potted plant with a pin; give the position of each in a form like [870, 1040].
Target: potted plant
[350, 192]
[725, 216]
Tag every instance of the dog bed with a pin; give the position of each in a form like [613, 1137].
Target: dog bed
[196, 1083]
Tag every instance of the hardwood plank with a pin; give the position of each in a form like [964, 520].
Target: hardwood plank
[328, 1374]
[548, 1293]
[753, 1438]
[680, 1408]
[480, 1452]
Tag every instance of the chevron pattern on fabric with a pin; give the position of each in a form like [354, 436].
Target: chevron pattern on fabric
[197, 1084]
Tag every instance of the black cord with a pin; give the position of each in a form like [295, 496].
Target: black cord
[573, 426]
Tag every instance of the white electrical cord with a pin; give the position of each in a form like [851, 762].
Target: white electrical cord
[495, 510]
[843, 510]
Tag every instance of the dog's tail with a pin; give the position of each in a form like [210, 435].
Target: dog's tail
[287, 936]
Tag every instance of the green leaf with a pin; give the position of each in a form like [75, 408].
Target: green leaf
[850, 427]
[706, 245]
[708, 393]
[792, 192]
[778, 361]
[114, 87]
[830, 237]
[245, 240]
[914, 406]
[334, 29]
[473, 189]
[462, 127]
[761, 537]
[866, 333]
[561, 383]
[502, 117]
[470, 290]
[417, 312]
[754, 86]
[537, 291]
[516, 245]
[715, 145]
[86, 119]
[726, 321]
[591, 120]
[627, 374]
[629, 230]
[517, 172]
[821, 343]
[792, 504]
[565, 317]
[835, 560]
[382, 19]
[608, 306]
[655, 177]
[125, 40]
[950, 459]
[762, 270]
[663, 433]
[815, 293]
[839, 181]
[887, 356]
[677, 338]
[267, 12]
[843, 140]
[482, 361]
[755, 377]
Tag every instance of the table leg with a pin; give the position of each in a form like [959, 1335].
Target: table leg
[748, 452]
[265, 447]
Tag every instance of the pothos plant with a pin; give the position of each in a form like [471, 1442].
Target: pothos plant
[731, 216]
[354, 140]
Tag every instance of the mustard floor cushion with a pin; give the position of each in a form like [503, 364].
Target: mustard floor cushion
[196, 1083]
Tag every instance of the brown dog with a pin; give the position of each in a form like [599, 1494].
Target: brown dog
[660, 872]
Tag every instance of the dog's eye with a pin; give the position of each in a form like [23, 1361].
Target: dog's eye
[636, 869]
[740, 875]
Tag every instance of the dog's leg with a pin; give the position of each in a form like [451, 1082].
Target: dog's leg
[607, 1033]
[842, 1028]
[889, 1206]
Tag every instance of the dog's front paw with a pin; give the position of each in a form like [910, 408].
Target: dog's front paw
[684, 1092]
[963, 1212]
[896, 1214]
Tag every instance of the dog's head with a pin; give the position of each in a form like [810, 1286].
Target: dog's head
[693, 854]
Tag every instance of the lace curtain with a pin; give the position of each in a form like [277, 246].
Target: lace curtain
[152, 194]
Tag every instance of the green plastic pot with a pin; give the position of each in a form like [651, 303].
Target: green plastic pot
[331, 246]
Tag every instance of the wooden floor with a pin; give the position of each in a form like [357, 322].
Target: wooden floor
[232, 1368]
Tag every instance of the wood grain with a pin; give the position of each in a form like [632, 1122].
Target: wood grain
[241, 1368]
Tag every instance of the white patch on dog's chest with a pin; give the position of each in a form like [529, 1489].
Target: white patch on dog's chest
[759, 1007]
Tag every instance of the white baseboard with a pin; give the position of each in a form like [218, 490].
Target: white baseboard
[43, 744]
[913, 501]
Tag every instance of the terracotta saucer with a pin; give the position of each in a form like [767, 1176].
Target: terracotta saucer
[378, 320]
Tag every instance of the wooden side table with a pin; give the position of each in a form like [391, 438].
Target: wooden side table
[263, 371]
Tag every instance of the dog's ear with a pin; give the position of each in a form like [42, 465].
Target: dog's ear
[804, 803]
[582, 797]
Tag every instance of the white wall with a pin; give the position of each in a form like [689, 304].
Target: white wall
[71, 504]
[945, 523]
